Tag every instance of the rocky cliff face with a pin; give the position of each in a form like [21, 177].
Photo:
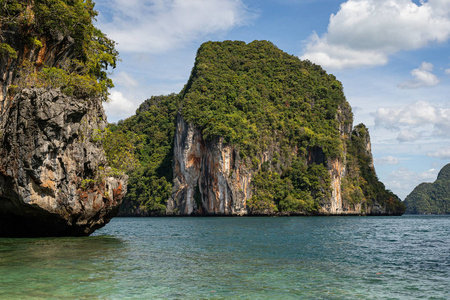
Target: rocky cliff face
[55, 49]
[337, 169]
[335, 205]
[53, 172]
[255, 131]
[210, 178]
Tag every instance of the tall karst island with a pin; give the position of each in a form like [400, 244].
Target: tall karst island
[255, 131]
[54, 176]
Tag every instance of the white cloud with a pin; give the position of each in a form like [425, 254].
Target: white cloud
[387, 160]
[119, 106]
[321, 51]
[155, 26]
[417, 121]
[405, 180]
[366, 32]
[407, 135]
[422, 77]
[417, 114]
[447, 71]
[125, 79]
[442, 153]
[403, 175]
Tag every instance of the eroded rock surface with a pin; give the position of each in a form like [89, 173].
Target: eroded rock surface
[209, 177]
[54, 179]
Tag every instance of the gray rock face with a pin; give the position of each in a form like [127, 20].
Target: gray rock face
[209, 177]
[53, 173]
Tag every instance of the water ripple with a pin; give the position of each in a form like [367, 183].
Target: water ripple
[245, 258]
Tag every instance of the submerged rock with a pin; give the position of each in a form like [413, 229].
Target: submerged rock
[54, 178]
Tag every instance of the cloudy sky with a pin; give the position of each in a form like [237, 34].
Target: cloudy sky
[392, 56]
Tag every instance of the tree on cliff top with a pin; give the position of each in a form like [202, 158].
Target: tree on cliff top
[62, 33]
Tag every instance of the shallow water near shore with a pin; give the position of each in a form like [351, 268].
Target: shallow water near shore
[248, 258]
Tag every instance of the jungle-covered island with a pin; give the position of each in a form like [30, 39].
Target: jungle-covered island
[255, 131]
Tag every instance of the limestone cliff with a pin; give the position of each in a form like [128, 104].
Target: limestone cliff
[209, 176]
[53, 172]
[255, 131]
[54, 177]
[54, 48]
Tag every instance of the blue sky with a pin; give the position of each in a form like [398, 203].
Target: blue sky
[392, 57]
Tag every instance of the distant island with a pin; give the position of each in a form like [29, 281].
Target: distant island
[255, 131]
[431, 198]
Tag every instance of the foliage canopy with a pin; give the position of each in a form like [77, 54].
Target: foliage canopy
[255, 94]
[150, 184]
[63, 30]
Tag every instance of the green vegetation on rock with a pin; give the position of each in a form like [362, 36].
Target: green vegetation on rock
[60, 32]
[150, 183]
[254, 94]
[431, 198]
[258, 97]
[362, 184]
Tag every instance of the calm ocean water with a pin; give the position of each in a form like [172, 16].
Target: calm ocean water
[248, 258]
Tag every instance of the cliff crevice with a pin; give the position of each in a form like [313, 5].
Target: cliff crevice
[208, 176]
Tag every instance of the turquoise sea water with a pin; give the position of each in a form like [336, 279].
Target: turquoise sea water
[404, 257]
